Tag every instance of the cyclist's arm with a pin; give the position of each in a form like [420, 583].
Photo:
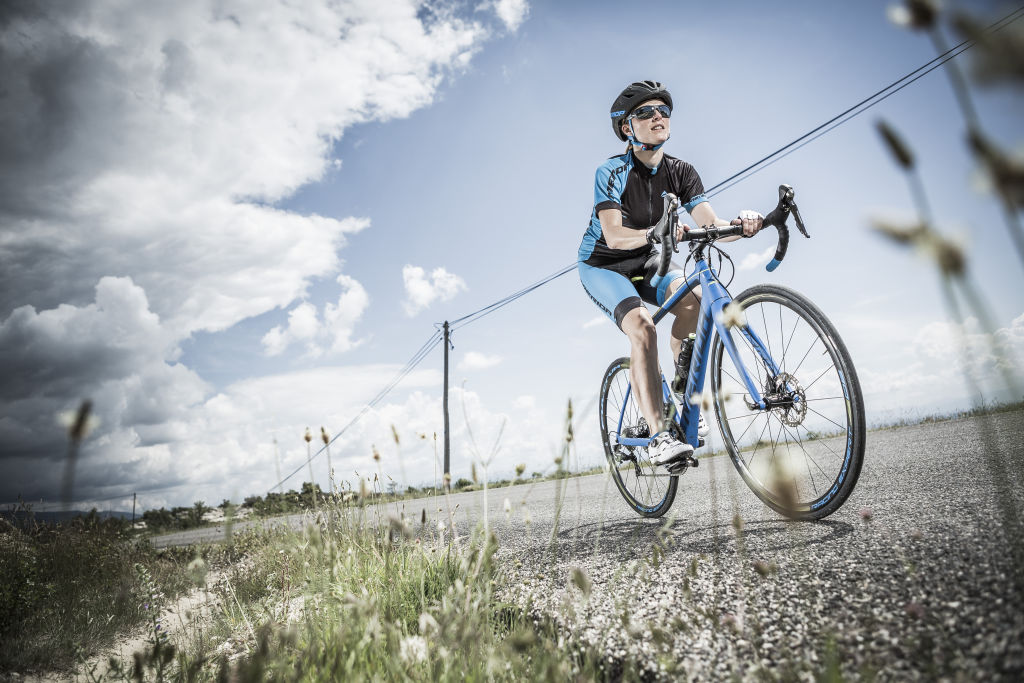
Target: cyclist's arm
[616, 234]
[705, 215]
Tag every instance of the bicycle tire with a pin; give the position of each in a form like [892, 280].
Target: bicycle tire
[825, 426]
[649, 496]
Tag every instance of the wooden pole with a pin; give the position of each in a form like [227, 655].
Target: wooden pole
[133, 510]
[447, 442]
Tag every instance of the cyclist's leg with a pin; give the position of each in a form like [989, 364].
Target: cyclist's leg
[617, 297]
[685, 312]
[657, 291]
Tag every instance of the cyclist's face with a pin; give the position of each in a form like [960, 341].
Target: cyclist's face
[652, 131]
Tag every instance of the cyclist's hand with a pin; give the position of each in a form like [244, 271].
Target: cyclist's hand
[751, 221]
[681, 230]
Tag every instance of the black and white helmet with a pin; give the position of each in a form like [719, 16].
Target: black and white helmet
[631, 97]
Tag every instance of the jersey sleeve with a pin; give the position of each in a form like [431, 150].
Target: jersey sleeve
[607, 189]
[691, 189]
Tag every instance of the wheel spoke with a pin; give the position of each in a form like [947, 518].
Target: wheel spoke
[819, 376]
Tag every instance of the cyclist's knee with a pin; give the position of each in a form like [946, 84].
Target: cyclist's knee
[639, 327]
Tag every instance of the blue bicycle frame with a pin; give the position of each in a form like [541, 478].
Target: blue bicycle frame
[714, 299]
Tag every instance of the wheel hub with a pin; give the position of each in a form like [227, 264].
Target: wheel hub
[788, 399]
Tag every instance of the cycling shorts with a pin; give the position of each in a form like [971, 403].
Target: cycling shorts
[618, 288]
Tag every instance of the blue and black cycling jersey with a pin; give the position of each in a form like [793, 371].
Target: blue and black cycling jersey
[619, 280]
[625, 183]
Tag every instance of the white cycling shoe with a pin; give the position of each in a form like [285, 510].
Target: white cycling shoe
[665, 449]
[702, 426]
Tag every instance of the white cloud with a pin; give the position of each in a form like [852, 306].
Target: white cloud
[943, 355]
[152, 141]
[598, 320]
[752, 261]
[512, 12]
[422, 290]
[333, 332]
[474, 360]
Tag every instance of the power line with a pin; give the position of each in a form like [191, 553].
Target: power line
[785, 150]
[415, 360]
[860, 107]
[739, 176]
[476, 315]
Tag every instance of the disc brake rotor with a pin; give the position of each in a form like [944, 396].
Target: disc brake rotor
[785, 389]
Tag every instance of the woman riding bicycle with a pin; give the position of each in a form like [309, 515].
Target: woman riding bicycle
[617, 260]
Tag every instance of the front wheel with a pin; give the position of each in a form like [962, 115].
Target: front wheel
[643, 484]
[802, 456]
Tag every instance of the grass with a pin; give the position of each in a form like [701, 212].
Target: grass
[352, 598]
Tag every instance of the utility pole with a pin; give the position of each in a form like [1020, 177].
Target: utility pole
[447, 442]
[133, 510]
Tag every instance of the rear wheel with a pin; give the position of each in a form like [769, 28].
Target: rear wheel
[646, 488]
[803, 456]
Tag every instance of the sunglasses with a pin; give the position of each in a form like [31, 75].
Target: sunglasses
[647, 111]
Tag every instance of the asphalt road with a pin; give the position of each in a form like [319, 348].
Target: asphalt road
[918, 576]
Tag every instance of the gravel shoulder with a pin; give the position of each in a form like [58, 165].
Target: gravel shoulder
[918, 577]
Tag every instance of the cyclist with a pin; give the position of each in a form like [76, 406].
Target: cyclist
[617, 261]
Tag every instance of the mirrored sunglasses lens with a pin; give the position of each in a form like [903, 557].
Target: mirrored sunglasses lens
[647, 112]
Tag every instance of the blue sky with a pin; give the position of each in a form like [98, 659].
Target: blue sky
[267, 193]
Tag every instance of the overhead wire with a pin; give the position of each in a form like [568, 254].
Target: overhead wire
[784, 151]
[745, 173]
[409, 366]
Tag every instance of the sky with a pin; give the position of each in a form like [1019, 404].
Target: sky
[227, 222]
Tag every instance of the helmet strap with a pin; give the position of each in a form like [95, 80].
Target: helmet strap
[644, 147]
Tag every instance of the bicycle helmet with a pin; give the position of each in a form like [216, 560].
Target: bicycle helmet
[629, 99]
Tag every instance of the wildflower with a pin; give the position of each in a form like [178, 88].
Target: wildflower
[413, 649]
[520, 468]
[79, 423]
[782, 483]
[323, 436]
[914, 610]
[526, 516]
[737, 522]
[428, 625]
[362, 489]
[399, 526]
[765, 568]
[914, 14]
[308, 436]
[508, 508]
[394, 435]
[1005, 172]
[916, 534]
[440, 525]
[581, 581]
[866, 514]
[733, 621]
[899, 232]
[423, 516]
[732, 316]
[703, 400]
[897, 147]
[997, 55]
[376, 453]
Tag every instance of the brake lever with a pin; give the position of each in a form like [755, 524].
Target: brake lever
[787, 206]
[799, 221]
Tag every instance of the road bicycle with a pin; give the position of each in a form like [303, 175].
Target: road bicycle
[783, 388]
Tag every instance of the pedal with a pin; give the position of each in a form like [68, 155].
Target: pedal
[678, 467]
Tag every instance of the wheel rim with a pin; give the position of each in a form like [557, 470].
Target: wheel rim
[632, 475]
[796, 455]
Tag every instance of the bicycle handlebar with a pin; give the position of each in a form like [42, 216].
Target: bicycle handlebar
[665, 228]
